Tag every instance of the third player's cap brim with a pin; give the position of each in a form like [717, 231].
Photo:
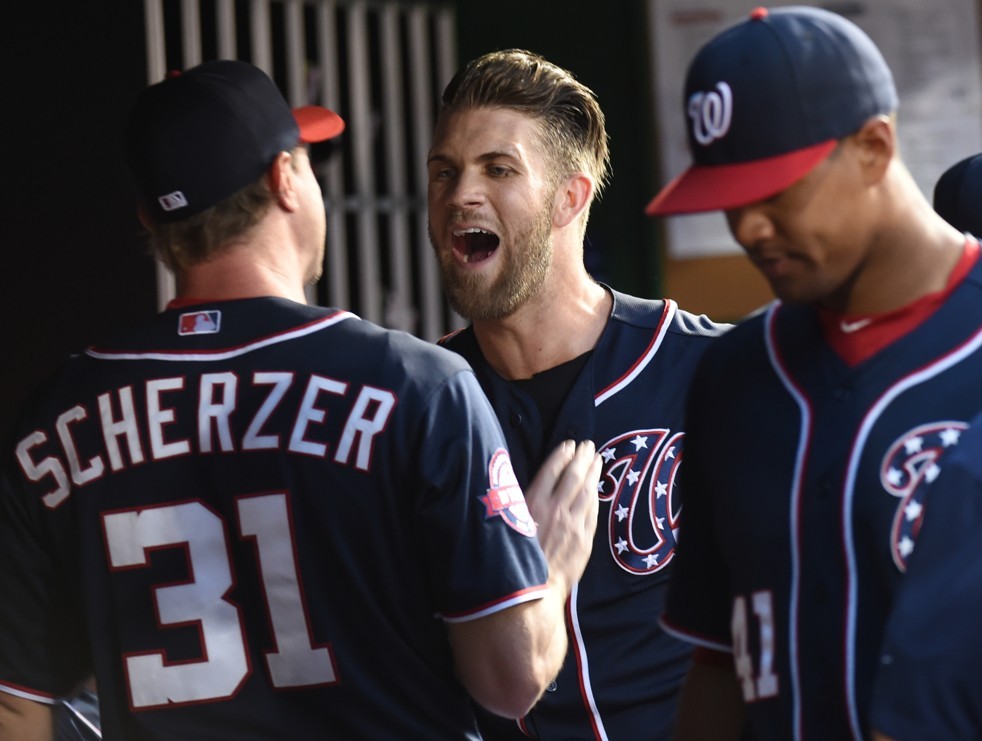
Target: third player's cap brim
[722, 187]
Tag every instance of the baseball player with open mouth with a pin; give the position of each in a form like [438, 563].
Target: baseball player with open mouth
[252, 518]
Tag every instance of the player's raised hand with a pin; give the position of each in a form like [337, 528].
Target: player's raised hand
[563, 501]
[507, 658]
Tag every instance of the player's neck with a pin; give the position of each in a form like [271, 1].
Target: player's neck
[243, 271]
[913, 257]
[559, 323]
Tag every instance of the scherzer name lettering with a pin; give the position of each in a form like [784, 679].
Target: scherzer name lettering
[176, 416]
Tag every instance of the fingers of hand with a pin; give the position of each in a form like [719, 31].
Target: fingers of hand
[571, 522]
[539, 492]
[591, 498]
[578, 490]
[577, 477]
[566, 511]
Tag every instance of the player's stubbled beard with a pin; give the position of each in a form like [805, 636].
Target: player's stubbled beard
[478, 297]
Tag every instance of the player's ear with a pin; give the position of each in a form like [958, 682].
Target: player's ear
[144, 216]
[572, 197]
[282, 181]
[876, 145]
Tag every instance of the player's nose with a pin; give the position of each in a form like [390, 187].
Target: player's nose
[749, 225]
[466, 191]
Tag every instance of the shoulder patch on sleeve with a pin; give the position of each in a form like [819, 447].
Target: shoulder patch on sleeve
[505, 498]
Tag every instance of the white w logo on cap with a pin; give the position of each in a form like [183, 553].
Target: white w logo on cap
[711, 113]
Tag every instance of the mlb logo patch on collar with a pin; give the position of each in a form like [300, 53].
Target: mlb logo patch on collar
[199, 322]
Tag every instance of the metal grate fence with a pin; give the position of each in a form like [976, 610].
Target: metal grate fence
[382, 65]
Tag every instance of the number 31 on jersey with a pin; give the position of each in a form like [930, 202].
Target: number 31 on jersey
[295, 662]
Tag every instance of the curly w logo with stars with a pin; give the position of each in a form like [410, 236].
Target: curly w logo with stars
[911, 460]
[638, 479]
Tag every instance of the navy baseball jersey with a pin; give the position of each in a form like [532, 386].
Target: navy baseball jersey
[623, 672]
[250, 520]
[929, 683]
[802, 504]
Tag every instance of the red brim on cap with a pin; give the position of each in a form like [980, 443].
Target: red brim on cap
[317, 124]
[722, 187]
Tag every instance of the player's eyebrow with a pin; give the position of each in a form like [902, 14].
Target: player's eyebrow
[495, 154]
[437, 157]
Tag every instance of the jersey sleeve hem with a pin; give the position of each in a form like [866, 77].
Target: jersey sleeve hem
[28, 693]
[694, 638]
[489, 608]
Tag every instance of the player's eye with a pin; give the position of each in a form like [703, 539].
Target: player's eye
[441, 173]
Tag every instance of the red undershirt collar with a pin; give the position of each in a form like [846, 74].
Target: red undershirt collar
[182, 302]
[856, 337]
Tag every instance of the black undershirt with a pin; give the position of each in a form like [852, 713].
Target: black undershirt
[550, 388]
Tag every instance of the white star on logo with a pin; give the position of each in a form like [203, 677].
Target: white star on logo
[632, 478]
[670, 453]
[950, 437]
[639, 442]
[914, 445]
[912, 511]
[932, 472]
[661, 522]
[608, 455]
[906, 547]
[660, 490]
[651, 560]
[894, 477]
[621, 513]
[621, 545]
[600, 486]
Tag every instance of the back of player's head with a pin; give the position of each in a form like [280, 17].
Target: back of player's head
[200, 136]
[958, 195]
[767, 99]
[572, 122]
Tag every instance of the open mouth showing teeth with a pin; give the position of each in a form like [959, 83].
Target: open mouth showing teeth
[474, 245]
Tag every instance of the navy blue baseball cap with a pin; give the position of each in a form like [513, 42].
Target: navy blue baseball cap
[958, 195]
[766, 100]
[200, 136]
